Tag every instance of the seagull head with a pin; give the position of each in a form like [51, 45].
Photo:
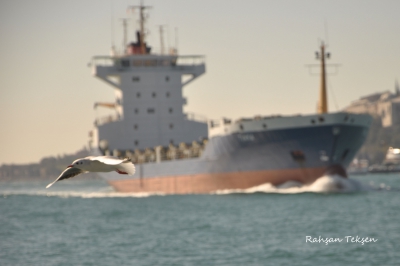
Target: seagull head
[80, 163]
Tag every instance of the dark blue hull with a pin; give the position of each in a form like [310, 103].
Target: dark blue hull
[308, 147]
[242, 160]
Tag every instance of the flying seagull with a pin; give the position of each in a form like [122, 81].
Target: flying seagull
[97, 164]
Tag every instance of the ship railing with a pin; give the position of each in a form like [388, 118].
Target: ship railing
[151, 60]
[161, 153]
[196, 117]
[106, 119]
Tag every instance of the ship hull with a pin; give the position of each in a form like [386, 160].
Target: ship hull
[208, 183]
[252, 158]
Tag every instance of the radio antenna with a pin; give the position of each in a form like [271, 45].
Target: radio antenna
[162, 47]
[326, 32]
[112, 28]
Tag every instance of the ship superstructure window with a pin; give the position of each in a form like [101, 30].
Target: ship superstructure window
[135, 79]
[125, 63]
[151, 110]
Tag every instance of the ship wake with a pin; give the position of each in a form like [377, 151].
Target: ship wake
[324, 184]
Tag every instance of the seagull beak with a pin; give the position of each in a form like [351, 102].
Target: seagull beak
[70, 166]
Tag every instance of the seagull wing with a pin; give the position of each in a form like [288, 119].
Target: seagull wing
[67, 173]
[109, 160]
[122, 166]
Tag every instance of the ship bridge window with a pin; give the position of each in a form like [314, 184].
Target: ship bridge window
[125, 63]
[135, 79]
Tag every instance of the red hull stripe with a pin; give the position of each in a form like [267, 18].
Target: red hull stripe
[206, 183]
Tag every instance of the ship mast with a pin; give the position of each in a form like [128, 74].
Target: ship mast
[142, 21]
[323, 103]
[125, 26]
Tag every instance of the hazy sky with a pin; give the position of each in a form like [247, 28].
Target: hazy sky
[256, 52]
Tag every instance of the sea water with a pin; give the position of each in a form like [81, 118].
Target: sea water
[77, 222]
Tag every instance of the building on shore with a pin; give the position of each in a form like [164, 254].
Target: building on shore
[384, 105]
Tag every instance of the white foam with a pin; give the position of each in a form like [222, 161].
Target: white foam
[324, 184]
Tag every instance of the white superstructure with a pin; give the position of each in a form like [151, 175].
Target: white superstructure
[148, 106]
[148, 101]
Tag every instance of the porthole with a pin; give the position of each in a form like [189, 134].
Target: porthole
[170, 110]
[167, 78]
[153, 95]
[136, 142]
[138, 95]
[167, 94]
[171, 126]
[135, 126]
[135, 79]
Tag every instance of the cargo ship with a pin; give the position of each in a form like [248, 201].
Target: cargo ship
[183, 153]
